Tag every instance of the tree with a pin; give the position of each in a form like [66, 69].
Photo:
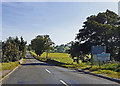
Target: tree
[23, 46]
[37, 44]
[11, 50]
[77, 50]
[29, 47]
[41, 44]
[118, 56]
[100, 30]
[63, 48]
[47, 44]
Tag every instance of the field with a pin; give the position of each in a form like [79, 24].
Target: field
[64, 60]
[53, 55]
[60, 57]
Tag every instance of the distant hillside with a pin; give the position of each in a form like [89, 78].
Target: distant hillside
[61, 48]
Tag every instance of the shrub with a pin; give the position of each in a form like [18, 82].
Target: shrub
[108, 72]
[112, 66]
[118, 69]
[94, 68]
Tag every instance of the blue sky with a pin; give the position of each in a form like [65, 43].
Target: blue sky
[60, 20]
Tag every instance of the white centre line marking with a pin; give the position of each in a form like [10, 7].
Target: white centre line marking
[47, 70]
[63, 82]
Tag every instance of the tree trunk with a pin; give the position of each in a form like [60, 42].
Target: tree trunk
[47, 55]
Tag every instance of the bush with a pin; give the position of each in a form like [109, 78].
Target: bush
[118, 69]
[112, 66]
[108, 72]
[94, 68]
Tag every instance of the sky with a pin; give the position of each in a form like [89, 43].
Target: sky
[60, 20]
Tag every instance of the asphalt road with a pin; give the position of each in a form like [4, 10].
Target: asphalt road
[36, 72]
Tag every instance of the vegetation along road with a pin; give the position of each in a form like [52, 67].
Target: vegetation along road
[33, 71]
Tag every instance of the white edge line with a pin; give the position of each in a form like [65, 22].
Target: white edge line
[63, 82]
[9, 73]
[47, 70]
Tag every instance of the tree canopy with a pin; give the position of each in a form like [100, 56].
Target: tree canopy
[41, 44]
[13, 49]
[63, 48]
[99, 30]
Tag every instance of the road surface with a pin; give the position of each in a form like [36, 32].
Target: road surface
[36, 72]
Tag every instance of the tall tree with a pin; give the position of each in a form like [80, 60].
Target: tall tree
[47, 44]
[41, 44]
[23, 46]
[37, 44]
[11, 50]
[102, 30]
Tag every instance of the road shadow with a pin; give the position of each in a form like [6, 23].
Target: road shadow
[77, 71]
[42, 64]
[28, 58]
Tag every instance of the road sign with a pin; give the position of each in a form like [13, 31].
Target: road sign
[103, 57]
[98, 49]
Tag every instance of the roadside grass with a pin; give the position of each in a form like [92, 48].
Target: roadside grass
[64, 60]
[109, 73]
[60, 57]
[105, 72]
[8, 66]
[53, 55]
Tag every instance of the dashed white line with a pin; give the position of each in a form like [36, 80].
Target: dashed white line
[47, 70]
[63, 82]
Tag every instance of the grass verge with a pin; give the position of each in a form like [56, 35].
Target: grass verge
[9, 66]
